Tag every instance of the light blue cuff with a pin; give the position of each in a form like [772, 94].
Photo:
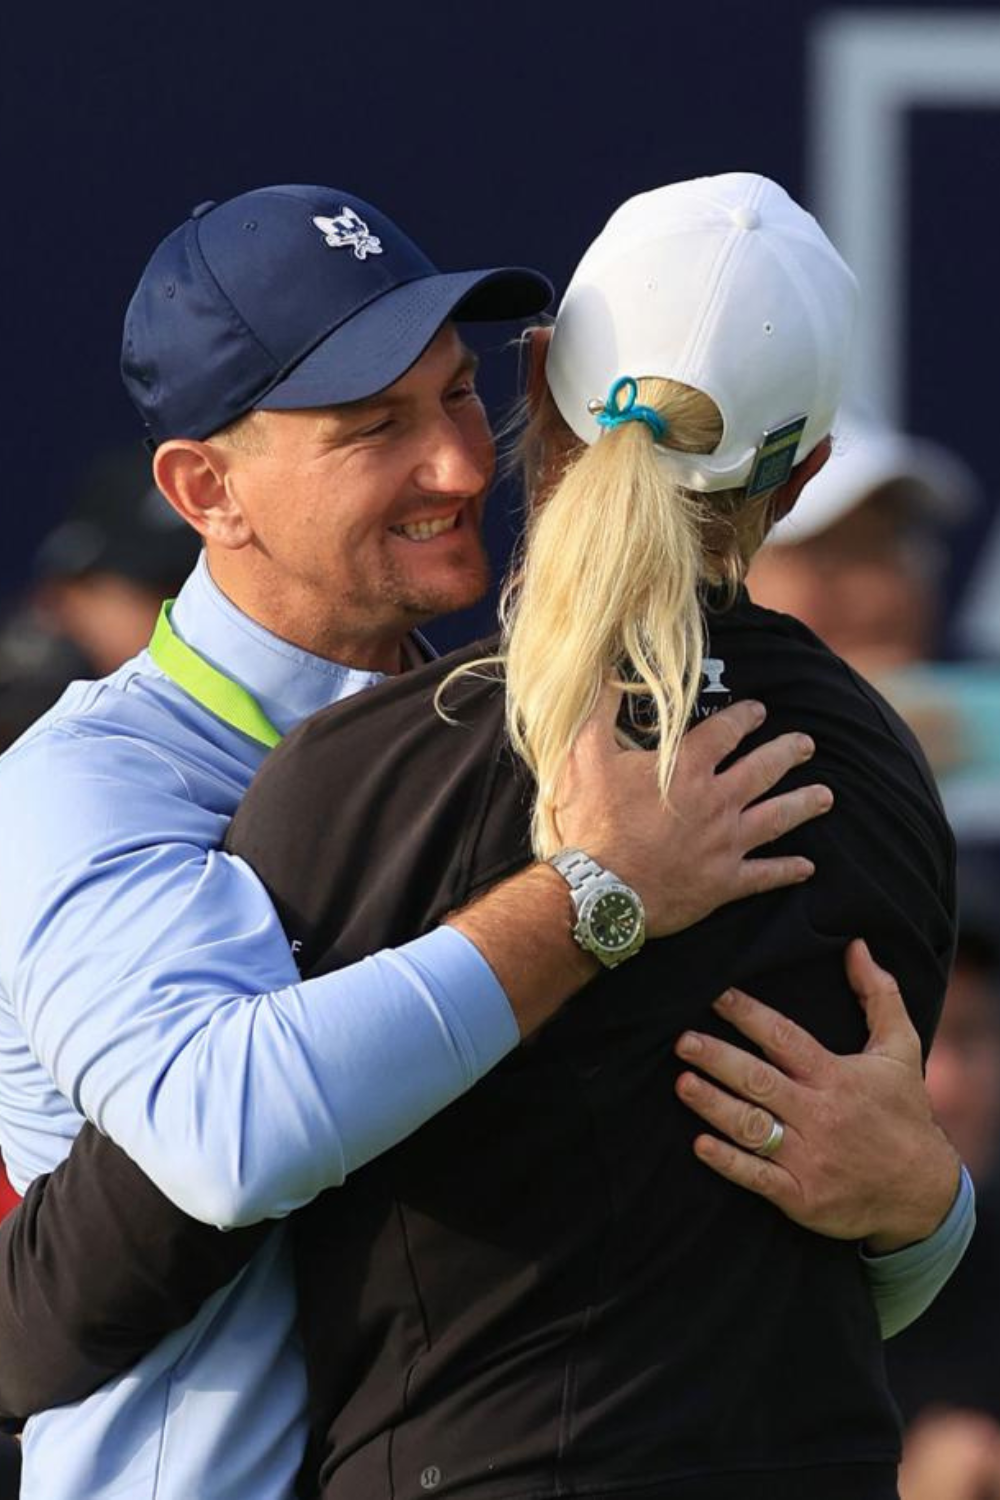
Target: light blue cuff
[905, 1282]
[468, 994]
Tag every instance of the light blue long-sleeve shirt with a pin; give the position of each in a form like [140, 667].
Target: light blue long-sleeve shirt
[146, 984]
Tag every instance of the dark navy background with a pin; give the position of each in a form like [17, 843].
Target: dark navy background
[492, 129]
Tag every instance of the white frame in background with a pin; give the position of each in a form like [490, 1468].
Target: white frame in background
[867, 69]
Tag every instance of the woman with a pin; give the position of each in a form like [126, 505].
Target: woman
[498, 1309]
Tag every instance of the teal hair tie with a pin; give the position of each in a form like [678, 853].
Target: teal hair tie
[615, 414]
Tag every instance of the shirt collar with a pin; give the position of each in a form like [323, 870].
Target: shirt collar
[287, 682]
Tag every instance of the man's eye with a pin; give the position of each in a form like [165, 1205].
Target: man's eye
[464, 392]
[378, 428]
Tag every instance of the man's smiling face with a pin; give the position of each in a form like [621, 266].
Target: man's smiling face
[367, 518]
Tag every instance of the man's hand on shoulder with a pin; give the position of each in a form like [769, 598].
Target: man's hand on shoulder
[684, 859]
[694, 855]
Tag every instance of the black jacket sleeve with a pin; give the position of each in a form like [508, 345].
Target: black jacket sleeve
[96, 1266]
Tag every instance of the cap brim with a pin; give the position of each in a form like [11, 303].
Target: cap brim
[380, 343]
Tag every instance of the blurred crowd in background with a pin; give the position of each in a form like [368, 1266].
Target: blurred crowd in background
[862, 560]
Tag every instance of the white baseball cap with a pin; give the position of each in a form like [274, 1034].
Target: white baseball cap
[721, 283]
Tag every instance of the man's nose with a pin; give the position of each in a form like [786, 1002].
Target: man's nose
[454, 463]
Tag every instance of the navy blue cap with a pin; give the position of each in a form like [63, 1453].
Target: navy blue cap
[290, 297]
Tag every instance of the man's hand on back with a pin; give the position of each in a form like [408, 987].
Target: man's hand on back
[862, 1156]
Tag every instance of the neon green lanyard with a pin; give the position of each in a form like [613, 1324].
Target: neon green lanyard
[207, 685]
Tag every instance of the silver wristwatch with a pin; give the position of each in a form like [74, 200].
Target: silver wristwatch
[610, 919]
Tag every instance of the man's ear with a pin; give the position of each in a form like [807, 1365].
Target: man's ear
[537, 340]
[786, 494]
[192, 476]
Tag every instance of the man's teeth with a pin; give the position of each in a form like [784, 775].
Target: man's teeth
[422, 531]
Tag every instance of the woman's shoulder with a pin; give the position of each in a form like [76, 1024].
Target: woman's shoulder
[757, 652]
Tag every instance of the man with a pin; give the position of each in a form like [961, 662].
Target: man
[163, 1002]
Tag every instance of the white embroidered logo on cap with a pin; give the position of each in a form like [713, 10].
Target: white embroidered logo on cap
[349, 229]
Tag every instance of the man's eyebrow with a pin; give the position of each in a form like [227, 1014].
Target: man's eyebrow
[467, 364]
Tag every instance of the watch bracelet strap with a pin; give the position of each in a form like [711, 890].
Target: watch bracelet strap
[576, 868]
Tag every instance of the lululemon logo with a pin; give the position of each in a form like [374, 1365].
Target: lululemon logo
[430, 1478]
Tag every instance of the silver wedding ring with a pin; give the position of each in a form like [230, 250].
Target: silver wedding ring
[774, 1140]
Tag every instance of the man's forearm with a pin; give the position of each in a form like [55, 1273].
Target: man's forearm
[523, 929]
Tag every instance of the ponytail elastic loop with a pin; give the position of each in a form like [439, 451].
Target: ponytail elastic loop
[615, 413]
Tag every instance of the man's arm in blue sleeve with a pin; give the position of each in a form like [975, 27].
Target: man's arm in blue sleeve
[240, 1089]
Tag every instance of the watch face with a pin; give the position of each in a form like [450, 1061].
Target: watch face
[614, 921]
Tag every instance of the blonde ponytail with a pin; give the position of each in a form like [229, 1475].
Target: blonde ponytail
[608, 585]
